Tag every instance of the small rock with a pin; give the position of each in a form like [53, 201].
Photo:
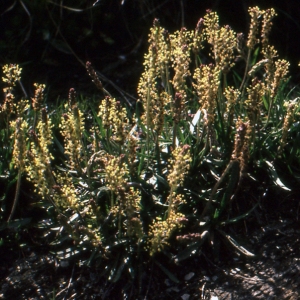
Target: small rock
[64, 263]
[168, 282]
[185, 297]
[189, 276]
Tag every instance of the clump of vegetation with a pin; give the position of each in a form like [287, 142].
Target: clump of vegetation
[208, 137]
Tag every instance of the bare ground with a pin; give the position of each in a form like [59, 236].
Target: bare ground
[274, 272]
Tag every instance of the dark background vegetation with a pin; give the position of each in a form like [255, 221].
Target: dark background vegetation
[51, 40]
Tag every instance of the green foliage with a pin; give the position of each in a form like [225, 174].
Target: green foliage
[178, 175]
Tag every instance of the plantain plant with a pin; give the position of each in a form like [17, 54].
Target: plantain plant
[207, 140]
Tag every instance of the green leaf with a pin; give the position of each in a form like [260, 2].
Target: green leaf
[167, 272]
[265, 101]
[236, 245]
[141, 161]
[236, 219]
[233, 180]
[162, 180]
[59, 145]
[119, 271]
[255, 55]
[275, 177]
[187, 252]
[15, 223]
[113, 269]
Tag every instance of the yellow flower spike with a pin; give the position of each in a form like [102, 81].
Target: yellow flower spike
[128, 200]
[181, 45]
[114, 116]
[255, 14]
[268, 15]
[120, 122]
[38, 96]
[207, 82]
[159, 54]
[180, 165]
[39, 157]
[281, 71]
[134, 225]
[270, 54]
[20, 127]
[288, 119]
[211, 23]
[160, 111]
[64, 195]
[72, 128]
[38, 172]
[198, 37]
[19, 149]
[242, 143]
[232, 95]
[116, 174]
[223, 40]
[224, 49]
[8, 103]
[154, 79]
[161, 230]
[132, 199]
[178, 107]
[105, 111]
[37, 101]
[12, 74]
[45, 130]
[254, 100]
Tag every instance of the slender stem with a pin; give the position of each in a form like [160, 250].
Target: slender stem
[159, 171]
[174, 134]
[112, 202]
[246, 72]
[16, 196]
[148, 122]
[271, 102]
[215, 188]
[34, 120]
[119, 222]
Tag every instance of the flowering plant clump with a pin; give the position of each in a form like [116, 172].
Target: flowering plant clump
[128, 188]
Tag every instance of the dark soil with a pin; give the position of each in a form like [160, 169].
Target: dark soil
[272, 274]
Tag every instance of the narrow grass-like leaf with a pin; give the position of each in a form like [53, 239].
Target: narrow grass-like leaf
[241, 217]
[275, 177]
[15, 223]
[236, 245]
[119, 271]
[167, 272]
